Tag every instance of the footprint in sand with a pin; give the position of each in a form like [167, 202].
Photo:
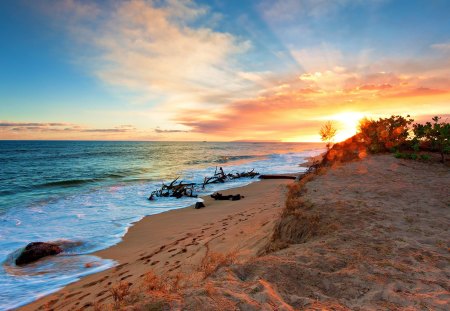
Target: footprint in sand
[95, 282]
[84, 296]
[146, 257]
[104, 298]
[126, 277]
[71, 295]
[102, 293]
[122, 273]
[120, 266]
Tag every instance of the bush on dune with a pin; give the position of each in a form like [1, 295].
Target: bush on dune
[433, 136]
[350, 149]
[385, 134]
[393, 134]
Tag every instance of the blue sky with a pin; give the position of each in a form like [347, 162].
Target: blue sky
[136, 67]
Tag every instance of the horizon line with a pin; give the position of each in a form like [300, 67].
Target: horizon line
[168, 141]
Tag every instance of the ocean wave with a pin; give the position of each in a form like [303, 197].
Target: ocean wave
[67, 183]
[103, 177]
[225, 159]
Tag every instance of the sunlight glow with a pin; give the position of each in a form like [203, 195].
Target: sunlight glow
[346, 124]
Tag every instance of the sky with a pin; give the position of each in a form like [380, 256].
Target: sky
[218, 70]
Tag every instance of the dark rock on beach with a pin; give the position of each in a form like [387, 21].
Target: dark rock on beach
[37, 250]
[219, 196]
[199, 205]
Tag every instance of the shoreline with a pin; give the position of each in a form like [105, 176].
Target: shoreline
[359, 235]
[164, 231]
[207, 200]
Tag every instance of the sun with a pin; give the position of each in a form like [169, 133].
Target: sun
[346, 124]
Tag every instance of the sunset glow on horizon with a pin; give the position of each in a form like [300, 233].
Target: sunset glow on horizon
[169, 70]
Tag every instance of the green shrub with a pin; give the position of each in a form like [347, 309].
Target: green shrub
[424, 157]
[409, 156]
[436, 135]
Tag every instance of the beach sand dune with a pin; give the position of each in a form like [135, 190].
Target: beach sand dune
[382, 243]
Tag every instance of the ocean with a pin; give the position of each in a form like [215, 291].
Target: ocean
[89, 193]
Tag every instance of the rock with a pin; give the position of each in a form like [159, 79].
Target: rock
[199, 205]
[37, 250]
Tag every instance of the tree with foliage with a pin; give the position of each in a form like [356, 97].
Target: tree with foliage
[327, 133]
[385, 134]
[436, 135]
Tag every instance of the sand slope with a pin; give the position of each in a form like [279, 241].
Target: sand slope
[384, 245]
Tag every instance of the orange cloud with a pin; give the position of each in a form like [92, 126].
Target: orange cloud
[295, 110]
[375, 87]
[42, 130]
[420, 91]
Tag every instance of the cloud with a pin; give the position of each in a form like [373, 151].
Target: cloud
[445, 47]
[22, 124]
[158, 130]
[167, 55]
[110, 130]
[290, 9]
[156, 51]
[300, 104]
[420, 91]
[60, 127]
[375, 87]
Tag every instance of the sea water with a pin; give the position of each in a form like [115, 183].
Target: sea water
[87, 194]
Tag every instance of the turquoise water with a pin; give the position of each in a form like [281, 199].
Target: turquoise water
[89, 193]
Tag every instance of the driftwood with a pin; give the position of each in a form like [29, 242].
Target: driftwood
[276, 177]
[250, 174]
[179, 189]
[174, 189]
[220, 176]
[219, 196]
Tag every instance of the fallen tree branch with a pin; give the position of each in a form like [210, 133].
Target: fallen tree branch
[179, 189]
[174, 190]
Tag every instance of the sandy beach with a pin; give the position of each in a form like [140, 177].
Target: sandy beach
[381, 242]
[177, 241]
